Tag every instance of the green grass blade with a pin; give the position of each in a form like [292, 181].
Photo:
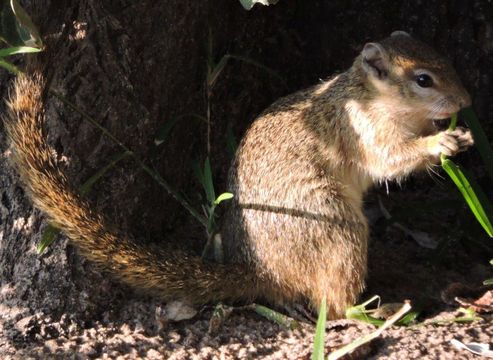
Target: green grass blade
[216, 71]
[49, 235]
[457, 175]
[208, 183]
[482, 198]
[459, 179]
[18, 50]
[408, 318]
[480, 139]
[197, 170]
[276, 317]
[453, 123]
[9, 66]
[319, 341]
[359, 313]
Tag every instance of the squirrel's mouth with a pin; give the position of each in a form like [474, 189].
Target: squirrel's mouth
[441, 124]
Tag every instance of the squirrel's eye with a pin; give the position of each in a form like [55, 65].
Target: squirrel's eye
[424, 80]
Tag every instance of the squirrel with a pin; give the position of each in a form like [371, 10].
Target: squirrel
[295, 230]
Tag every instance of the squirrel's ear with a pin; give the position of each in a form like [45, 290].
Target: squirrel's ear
[375, 60]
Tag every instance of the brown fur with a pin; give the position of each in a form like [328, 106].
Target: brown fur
[296, 230]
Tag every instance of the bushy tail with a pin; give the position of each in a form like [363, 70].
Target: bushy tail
[169, 274]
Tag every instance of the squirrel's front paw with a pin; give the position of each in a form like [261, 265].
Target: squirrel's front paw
[450, 143]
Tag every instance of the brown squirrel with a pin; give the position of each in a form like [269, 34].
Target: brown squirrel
[296, 229]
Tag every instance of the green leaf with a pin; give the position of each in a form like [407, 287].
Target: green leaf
[319, 341]
[49, 235]
[16, 27]
[208, 184]
[222, 197]
[18, 50]
[408, 318]
[459, 179]
[480, 139]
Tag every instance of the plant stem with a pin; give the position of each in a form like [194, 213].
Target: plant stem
[209, 122]
[10, 67]
[451, 127]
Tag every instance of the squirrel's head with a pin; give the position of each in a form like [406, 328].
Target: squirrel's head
[406, 71]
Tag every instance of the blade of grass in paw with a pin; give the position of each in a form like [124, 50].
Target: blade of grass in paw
[460, 180]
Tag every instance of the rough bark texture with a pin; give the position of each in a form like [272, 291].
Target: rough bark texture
[135, 65]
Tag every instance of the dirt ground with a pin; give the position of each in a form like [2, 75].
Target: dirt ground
[399, 269]
[243, 336]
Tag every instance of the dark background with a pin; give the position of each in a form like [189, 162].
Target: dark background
[136, 65]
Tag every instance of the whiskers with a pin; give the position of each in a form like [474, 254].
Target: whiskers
[440, 107]
[432, 170]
